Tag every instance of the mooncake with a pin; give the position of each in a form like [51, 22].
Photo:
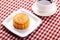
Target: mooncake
[21, 21]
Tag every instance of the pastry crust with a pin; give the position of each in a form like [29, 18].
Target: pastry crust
[21, 21]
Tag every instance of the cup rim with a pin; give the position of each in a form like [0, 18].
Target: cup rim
[45, 5]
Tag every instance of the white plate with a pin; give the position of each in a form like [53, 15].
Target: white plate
[41, 13]
[34, 23]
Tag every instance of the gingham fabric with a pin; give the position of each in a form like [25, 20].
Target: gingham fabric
[48, 30]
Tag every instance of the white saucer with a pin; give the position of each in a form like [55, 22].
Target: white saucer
[41, 13]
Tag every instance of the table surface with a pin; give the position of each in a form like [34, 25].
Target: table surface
[48, 30]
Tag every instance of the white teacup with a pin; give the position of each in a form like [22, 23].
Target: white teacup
[44, 8]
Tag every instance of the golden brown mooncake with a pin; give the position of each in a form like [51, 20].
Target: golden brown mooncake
[21, 21]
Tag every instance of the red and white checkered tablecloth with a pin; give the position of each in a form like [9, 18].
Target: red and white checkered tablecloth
[48, 30]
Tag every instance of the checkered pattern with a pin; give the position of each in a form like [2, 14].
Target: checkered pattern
[48, 30]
